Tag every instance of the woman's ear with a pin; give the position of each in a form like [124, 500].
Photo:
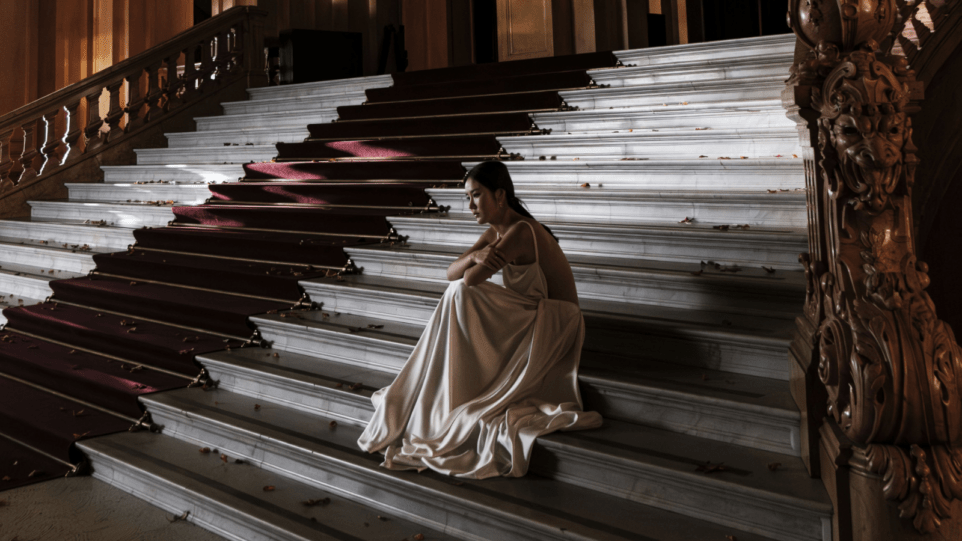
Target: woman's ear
[501, 197]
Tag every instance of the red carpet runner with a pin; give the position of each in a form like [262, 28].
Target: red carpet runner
[73, 367]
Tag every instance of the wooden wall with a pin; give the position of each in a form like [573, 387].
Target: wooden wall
[50, 44]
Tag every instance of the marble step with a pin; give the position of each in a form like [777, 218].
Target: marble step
[711, 115]
[719, 52]
[773, 248]
[320, 88]
[130, 215]
[255, 121]
[667, 94]
[622, 283]
[182, 194]
[705, 340]
[293, 105]
[734, 144]
[179, 173]
[621, 470]
[98, 238]
[234, 154]
[763, 174]
[618, 205]
[229, 499]
[57, 260]
[26, 281]
[685, 71]
[742, 410]
[238, 136]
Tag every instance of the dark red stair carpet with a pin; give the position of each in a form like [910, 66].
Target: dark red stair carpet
[135, 325]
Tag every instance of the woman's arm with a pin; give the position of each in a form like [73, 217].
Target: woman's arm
[457, 269]
[516, 244]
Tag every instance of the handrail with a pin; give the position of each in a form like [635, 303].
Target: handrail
[218, 50]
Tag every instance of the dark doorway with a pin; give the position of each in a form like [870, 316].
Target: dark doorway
[202, 11]
[484, 17]
[733, 19]
[657, 30]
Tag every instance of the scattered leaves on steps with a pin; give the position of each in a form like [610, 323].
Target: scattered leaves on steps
[181, 517]
[314, 503]
[269, 488]
[205, 451]
[708, 467]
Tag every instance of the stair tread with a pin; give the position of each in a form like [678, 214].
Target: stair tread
[241, 487]
[552, 503]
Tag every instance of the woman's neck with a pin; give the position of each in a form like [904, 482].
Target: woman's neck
[505, 221]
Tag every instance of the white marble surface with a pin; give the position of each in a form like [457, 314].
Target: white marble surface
[117, 192]
[58, 233]
[720, 52]
[176, 172]
[128, 215]
[223, 155]
[682, 73]
[300, 119]
[321, 88]
[755, 88]
[238, 136]
[293, 105]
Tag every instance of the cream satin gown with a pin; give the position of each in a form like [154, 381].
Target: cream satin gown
[495, 368]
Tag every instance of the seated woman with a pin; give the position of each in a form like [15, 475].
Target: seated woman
[496, 367]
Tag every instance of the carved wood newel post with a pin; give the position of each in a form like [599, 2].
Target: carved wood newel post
[873, 361]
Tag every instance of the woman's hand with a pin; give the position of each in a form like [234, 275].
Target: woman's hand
[489, 256]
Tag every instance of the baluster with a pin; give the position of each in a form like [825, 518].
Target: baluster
[173, 83]
[5, 162]
[114, 113]
[136, 101]
[221, 56]
[190, 74]
[50, 143]
[236, 48]
[92, 136]
[206, 63]
[72, 131]
[154, 93]
[29, 151]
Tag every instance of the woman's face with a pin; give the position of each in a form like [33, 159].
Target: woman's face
[481, 201]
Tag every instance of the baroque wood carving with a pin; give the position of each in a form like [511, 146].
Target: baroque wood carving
[891, 368]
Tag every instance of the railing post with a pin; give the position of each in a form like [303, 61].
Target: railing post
[135, 102]
[50, 142]
[254, 56]
[93, 139]
[154, 92]
[5, 162]
[173, 83]
[115, 112]
[72, 131]
[190, 73]
[29, 151]
[206, 64]
[221, 56]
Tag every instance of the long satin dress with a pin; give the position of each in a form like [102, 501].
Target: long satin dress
[495, 368]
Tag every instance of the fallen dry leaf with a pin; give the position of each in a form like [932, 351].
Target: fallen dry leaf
[721, 227]
[375, 326]
[35, 473]
[269, 488]
[355, 386]
[419, 537]
[687, 220]
[181, 517]
[774, 466]
[769, 269]
[332, 424]
[205, 450]
[731, 538]
[78, 436]
[708, 467]
[697, 273]
[384, 519]
[321, 501]
[224, 458]
[257, 407]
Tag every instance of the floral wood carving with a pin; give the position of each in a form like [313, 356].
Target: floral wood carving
[892, 369]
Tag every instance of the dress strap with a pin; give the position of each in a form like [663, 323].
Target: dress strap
[534, 236]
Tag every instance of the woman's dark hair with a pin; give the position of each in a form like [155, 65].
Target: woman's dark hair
[494, 175]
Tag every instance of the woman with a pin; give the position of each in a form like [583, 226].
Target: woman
[496, 367]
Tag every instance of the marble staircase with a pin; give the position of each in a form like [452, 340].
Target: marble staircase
[675, 191]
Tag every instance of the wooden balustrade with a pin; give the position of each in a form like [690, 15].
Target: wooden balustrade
[141, 90]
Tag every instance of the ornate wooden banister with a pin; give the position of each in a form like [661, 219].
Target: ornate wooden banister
[219, 50]
[872, 359]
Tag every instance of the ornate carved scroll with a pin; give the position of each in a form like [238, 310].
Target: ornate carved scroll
[892, 370]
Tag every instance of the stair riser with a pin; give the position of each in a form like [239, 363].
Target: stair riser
[646, 75]
[218, 155]
[176, 173]
[265, 120]
[293, 105]
[703, 174]
[55, 234]
[761, 359]
[779, 210]
[364, 485]
[47, 259]
[714, 52]
[26, 287]
[694, 495]
[239, 137]
[209, 514]
[780, 253]
[605, 121]
[627, 289]
[180, 193]
[681, 414]
[132, 216]
[321, 89]
[587, 147]
[762, 89]
[354, 409]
